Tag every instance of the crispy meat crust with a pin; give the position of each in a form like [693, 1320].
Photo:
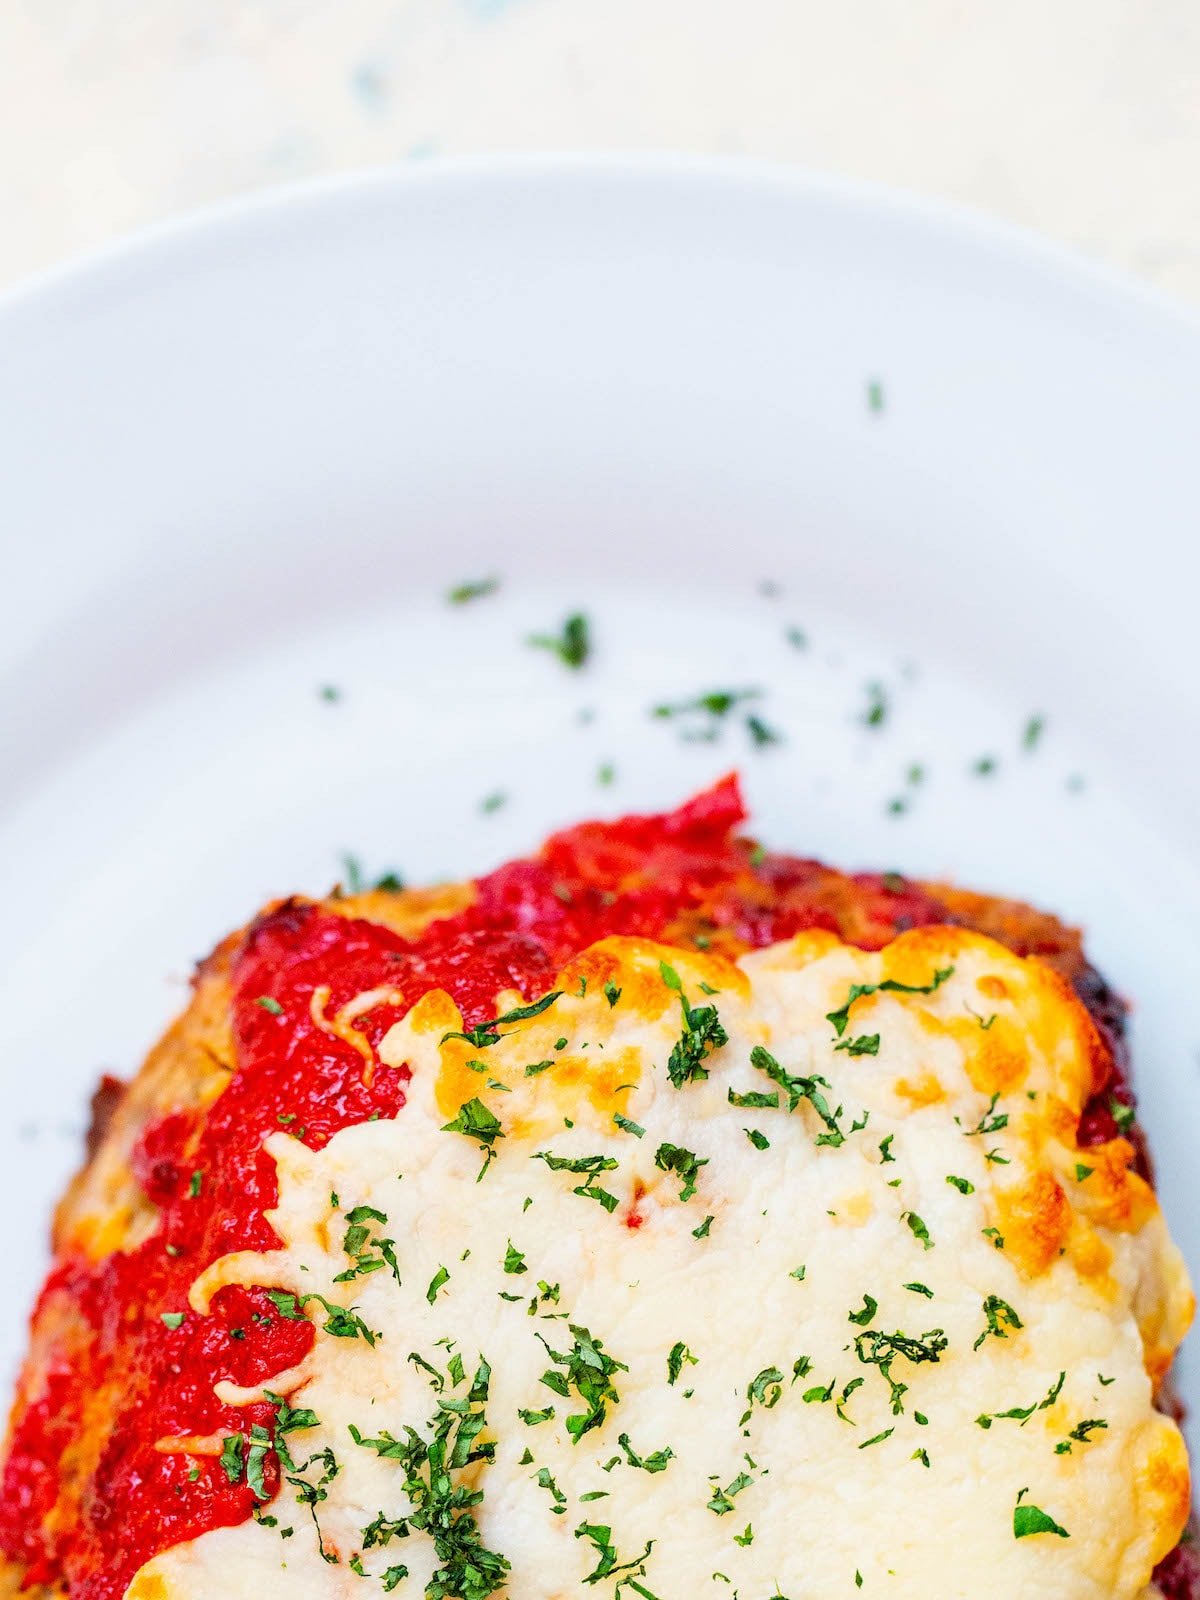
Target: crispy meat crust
[105, 1208]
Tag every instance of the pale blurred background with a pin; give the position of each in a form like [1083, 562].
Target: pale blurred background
[1080, 118]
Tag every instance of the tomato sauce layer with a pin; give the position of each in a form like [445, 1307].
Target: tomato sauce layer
[123, 1367]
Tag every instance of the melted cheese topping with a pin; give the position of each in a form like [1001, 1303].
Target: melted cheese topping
[835, 1306]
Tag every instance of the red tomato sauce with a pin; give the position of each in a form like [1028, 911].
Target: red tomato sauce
[86, 1497]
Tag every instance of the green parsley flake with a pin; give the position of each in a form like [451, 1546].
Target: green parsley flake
[685, 1164]
[440, 1277]
[572, 644]
[867, 1044]
[472, 589]
[702, 1034]
[476, 1121]
[588, 1369]
[678, 1354]
[858, 991]
[629, 1126]
[1030, 1519]
[1001, 1318]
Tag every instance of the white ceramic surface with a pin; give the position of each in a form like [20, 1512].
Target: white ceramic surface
[247, 457]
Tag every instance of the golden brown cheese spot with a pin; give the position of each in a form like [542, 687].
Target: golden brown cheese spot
[857, 1208]
[1035, 1220]
[1092, 1257]
[997, 1057]
[922, 1091]
[148, 1586]
[915, 955]
[1163, 1485]
[1061, 1030]
[992, 987]
[604, 1082]
[1112, 1194]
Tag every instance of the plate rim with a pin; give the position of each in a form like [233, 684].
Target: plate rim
[53, 288]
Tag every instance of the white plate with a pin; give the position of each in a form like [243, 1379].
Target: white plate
[247, 456]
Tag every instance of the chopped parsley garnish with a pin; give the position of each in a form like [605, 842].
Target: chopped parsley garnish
[1124, 1116]
[368, 1252]
[589, 1166]
[764, 1390]
[172, 1319]
[472, 589]
[702, 1231]
[761, 733]
[755, 1100]
[588, 1369]
[918, 1229]
[1001, 1318]
[1080, 1434]
[1030, 1519]
[991, 1121]
[799, 1088]
[678, 1354]
[357, 881]
[869, 1307]
[1022, 1414]
[877, 1439]
[611, 993]
[608, 1564]
[485, 1034]
[289, 1419]
[572, 644]
[627, 1125]
[867, 1044]
[963, 1185]
[704, 716]
[858, 991]
[722, 1499]
[268, 1004]
[442, 1507]
[545, 1480]
[232, 1451]
[757, 1139]
[685, 1164]
[514, 1261]
[875, 714]
[655, 1462]
[875, 1348]
[340, 1322]
[476, 1121]
[702, 1034]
